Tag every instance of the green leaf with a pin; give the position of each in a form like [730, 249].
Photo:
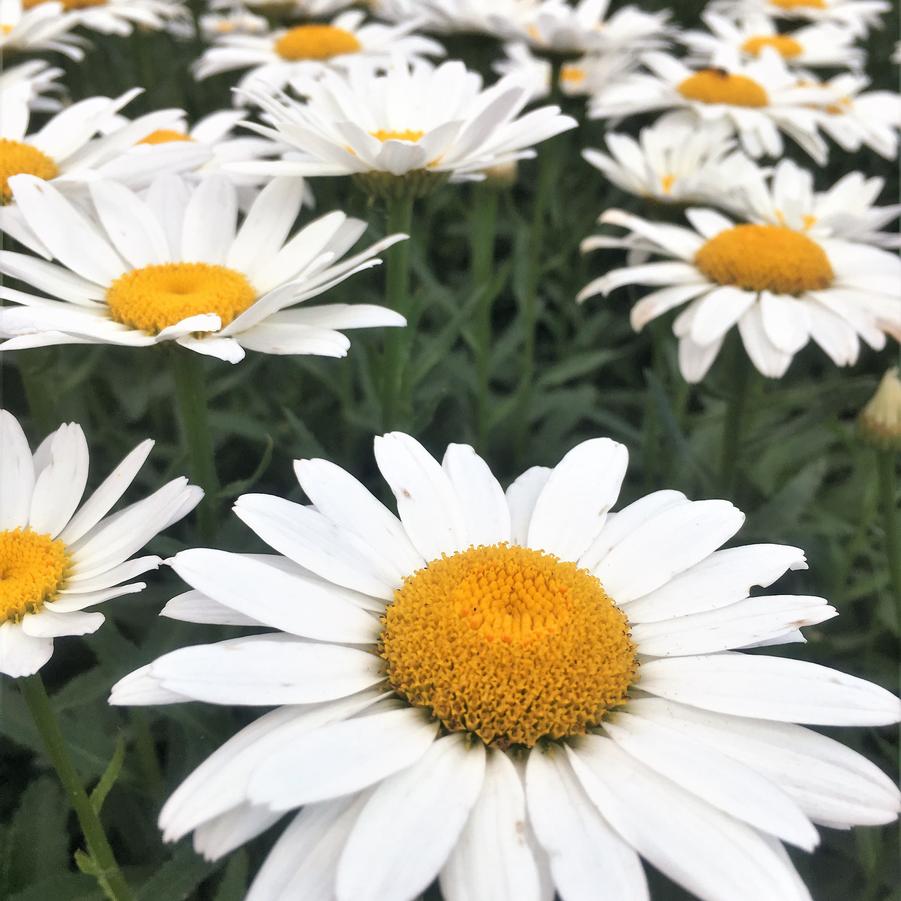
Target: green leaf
[233, 885]
[177, 879]
[110, 775]
[61, 887]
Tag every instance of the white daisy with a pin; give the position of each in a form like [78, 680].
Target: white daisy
[813, 45]
[758, 100]
[173, 266]
[556, 26]
[24, 87]
[385, 125]
[673, 161]
[514, 693]
[68, 152]
[307, 9]
[276, 58]
[118, 16]
[854, 117]
[234, 20]
[847, 210]
[858, 16]
[781, 287]
[26, 27]
[59, 556]
[490, 17]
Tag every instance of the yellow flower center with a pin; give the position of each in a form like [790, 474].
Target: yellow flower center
[32, 571]
[18, 158]
[165, 136]
[67, 4]
[316, 42]
[795, 4]
[408, 134]
[570, 74]
[666, 183]
[6, 29]
[765, 258]
[783, 44]
[154, 297]
[719, 86]
[508, 643]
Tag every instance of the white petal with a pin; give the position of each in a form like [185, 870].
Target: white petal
[220, 836]
[342, 758]
[773, 688]
[61, 483]
[585, 853]
[291, 603]
[210, 220]
[49, 624]
[426, 502]
[666, 545]
[16, 473]
[130, 225]
[521, 497]
[480, 495]
[573, 505]
[410, 824]
[196, 607]
[492, 858]
[21, 654]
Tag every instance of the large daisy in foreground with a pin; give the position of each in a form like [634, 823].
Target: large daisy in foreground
[173, 266]
[510, 691]
[782, 287]
[58, 556]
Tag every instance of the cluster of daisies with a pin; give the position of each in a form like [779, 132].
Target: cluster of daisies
[514, 691]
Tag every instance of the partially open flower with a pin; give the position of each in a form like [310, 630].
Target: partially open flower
[880, 419]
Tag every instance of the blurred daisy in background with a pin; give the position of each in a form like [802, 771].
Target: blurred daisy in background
[72, 149]
[672, 162]
[383, 126]
[855, 117]
[488, 17]
[511, 692]
[119, 17]
[25, 87]
[26, 27]
[60, 556]
[235, 20]
[858, 16]
[173, 266]
[757, 99]
[781, 287]
[813, 45]
[289, 9]
[309, 50]
[847, 210]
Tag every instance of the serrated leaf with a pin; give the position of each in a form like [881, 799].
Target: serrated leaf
[110, 775]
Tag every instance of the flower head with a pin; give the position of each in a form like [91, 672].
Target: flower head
[115, 16]
[880, 419]
[857, 16]
[29, 27]
[173, 266]
[780, 286]
[510, 690]
[58, 556]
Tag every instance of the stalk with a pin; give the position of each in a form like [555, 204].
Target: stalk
[888, 491]
[734, 419]
[483, 235]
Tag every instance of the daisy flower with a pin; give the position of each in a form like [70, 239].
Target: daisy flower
[854, 117]
[512, 692]
[847, 210]
[489, 17]
[308, 50]
[813, 45]
[672, 161]
[68, 152]
[25, 27]
[172, 266]
[557, 27]
[781, 287]
[59, 556]
[758, 99]
[118, 16]
[307, 9]
[234, 20]
[23, 88]
[858, 16]
[383, 126]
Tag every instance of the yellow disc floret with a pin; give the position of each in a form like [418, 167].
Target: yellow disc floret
[765, 258]
[317, 42]
[66, 4]
[154, 297]
[32, 571]
[719, 86]
[407, 134]
[508, 643]
[18, 158]
[799, 4]
[785, 45]
[165, 136]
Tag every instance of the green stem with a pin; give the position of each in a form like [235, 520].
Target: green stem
[190, 392]
[888, 490]
[482, 235]
[734, 419]
[397, 285]
[107, 873]
[32, 370]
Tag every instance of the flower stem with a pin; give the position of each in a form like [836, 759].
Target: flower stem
[107, 872]
[397, 341]
[190, 393]
[888, 490]
[734, 419]
[482, 236]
